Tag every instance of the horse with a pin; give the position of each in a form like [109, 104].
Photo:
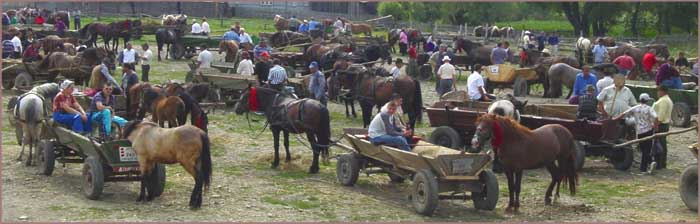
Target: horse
[63, 15]
[164, 108]
[543, 64]
[414, 37]
[375, 52]
[231, 49]
[286, 37]
[607, 41]
[135, 94]
[289, 115]
[505, 108]
[124, 30]
[93, 30]
[199, 118]
[169, 20]
[166, 36]
[519, 148]
[465, 45]
[316, 51]
[370, 90]
[583, 50]
[561, 74]
[30, 110]
[358, 28]
[186, 145]
[61, 63]
[51, 41]
[281, 23]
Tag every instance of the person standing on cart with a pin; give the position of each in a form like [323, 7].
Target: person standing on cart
[615, 99]
[663, 107]
[102, 110]
[67, 110]
[646, 121]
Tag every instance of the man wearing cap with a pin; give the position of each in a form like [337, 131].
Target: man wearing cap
[445, 76]
[196, 28]
[205, 58]
[304, 27]
[582, 80]
[231, 35]
[260, 48]
[646, 120]
[262, 68]
[67, 111]
[663, 107]
[615, 99]
[317, 84]
[102, 110]
[277, 76]
[396, 70]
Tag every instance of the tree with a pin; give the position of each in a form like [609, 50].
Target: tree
[392, 8]
[578, 16]
[634, 23]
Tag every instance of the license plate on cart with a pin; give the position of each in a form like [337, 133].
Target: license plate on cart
[127, 154]
[460, 166]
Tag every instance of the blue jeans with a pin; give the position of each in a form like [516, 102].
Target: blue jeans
[73, 121]
[104, 117]
[398, 141]
[673, 83]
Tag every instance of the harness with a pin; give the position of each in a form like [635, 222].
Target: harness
[278, 116]
[19, 99]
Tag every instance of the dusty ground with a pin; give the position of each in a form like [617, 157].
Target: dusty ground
[246, 189]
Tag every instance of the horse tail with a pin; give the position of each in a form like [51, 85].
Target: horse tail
[567, 165]
[181, 113]
[205, 169]
[418, 101]
[324, 132]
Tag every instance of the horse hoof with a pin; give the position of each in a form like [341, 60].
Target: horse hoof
[275, 165]
[288, 159]
[547, 201]
[509, 209]
[313, 170]
[140, 199]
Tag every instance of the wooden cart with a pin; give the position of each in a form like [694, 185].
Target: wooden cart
[437, 172]
[685, 102]
[506, 75]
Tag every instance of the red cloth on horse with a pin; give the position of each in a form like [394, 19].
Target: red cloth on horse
[497, 136]
[253, 99]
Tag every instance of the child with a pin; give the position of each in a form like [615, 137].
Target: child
[587, 105]
[646, 120]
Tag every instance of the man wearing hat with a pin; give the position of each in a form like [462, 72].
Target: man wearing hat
[646, 121]
[304, 27]
[396, 70]
[67, 111]
[317, 84]
[231, 35]
[445, 75]
[262, 68]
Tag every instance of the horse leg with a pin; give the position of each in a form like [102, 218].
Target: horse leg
[553, 171]
[352, 108]
[518, 183]
[276, 139]
[366, 113]
[347, 105]
[316, 150]
[286, 146]
[25, 135]
[511, 191]
[29, 159]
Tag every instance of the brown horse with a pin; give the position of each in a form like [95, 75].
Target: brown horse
[518, 148]
[63, 15]
[170, 20]
[50, 42]
[231, 49]
[371, 89]
[281, 23]
[135, 94]
[358, 28]
[289, 115]
[286, 37]
[199, 118]
[186, 145]
[163, 108]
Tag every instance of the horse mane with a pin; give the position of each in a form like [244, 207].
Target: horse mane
[508, 122]
[130, 127]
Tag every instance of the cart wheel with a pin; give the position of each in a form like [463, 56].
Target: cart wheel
[24, 81]
[157, 180]
[93, 178]
[488, 197]
[447, 137]
[680, 116]
[622, 158]
[47, 157]
[425, 192]
[347, 169]
[580, 155]
[425, 72]
[395, 178]
[689, 187]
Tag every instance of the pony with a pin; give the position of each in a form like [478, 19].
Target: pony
[124, 29]
[561, 74]
[519, 148]
[231, 49]
[289, 115]
[165, 36]
[199, 118]
[186, 145]
[163, 108]
[135, 95]
[583, 50]
[93, 30]
[30, 110]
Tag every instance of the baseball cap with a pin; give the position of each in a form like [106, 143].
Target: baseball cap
[313, 64]
[644, 97]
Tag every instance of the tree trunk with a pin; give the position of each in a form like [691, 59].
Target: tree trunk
[635, 20]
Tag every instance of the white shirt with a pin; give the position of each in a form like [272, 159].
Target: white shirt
[205, 27]
[395, 72]
[17, 43]
[206, 58]
[338, 24]
[129, 56]
[644, 116]
[474, 83]
[245, 67]
[147, 57]
[446, 71]
[196, 28]
[245, 38]
[605, 82]
[623, 101]
[526, 40]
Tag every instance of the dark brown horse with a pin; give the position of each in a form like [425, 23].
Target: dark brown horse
[124, 29]
[414, 37]
[371, 89]
[518, 148]
[290, 115]
[199, 118]
[166, 36]
[186, 145]
[92, 31]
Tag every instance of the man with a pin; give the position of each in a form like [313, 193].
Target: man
[76, 19]
[277, 76]
[412, 68]
[383, 129]
[475, 86]
[245, 39]
[8, 49]
[304, 27]
[231, 35]
[245, 67]
[104, 70]
[205, 57]
[60, 27]
[5, 19]
[338, 26]
[649, 61]
[403, 42]
[67, 111]
[499, 55]
[445, 75]
[317, 84]
[541, 39]
[293, 24]
[262, 68]
[196, 28]
[32, 52]
[396, 70]
[587, 105]
[615, 99]
[205, 27]
[526, 40]
[237, 26]
[582, 80]
[646, 120]
[145, 62]
[313, 25]
[17, 43]
[682, 61]
[102, 110]
[599, 52]
[129, 78]
[663, 107]
[39, 20]
[553, 40]
[668, 75]
[604, 82]
[625, 63]
[128, 56]
[260, 48]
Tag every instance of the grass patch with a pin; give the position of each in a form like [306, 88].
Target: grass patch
[303, 204]
[601, 193]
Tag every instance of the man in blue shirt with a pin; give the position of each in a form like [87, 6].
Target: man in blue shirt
[317, 84]
[304, 27]
[554, 41]
[231, 35]
[599, 52]
[260, 48]
[583, 79]
[313, 25]
[541, 40]
[102, 110]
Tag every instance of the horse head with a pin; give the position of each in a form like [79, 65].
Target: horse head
[485, 130]
[244, 105]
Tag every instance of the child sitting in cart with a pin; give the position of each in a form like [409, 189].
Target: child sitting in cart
[384, 130]
[587, 105]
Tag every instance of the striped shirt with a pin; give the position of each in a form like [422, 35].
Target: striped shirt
[277, 75]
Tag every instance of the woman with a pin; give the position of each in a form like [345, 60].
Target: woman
[245, 67]
[67, 111]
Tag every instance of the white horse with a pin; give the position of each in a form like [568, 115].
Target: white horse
[508, 106]
[583, 49]
[29, 112]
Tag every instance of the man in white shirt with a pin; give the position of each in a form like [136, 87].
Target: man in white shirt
[128, 56]
[246, 42]
[145, 62]
[245, 67]
[475, 86]
[205, 58]
[196, 28]
[396, 70]
[604, 82]
[205, 27]
[17, 43]
[445, 76]
[338, 26]
[615, 99]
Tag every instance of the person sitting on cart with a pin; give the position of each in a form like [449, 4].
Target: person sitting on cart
[384, 130]
[587, 105]
[277, 76]
[397, 99]
[260, 48]
[102, 110]
[646, 121]
[32, 52]
[67, 110]
[475, 86]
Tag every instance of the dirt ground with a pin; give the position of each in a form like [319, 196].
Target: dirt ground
[245, 188]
